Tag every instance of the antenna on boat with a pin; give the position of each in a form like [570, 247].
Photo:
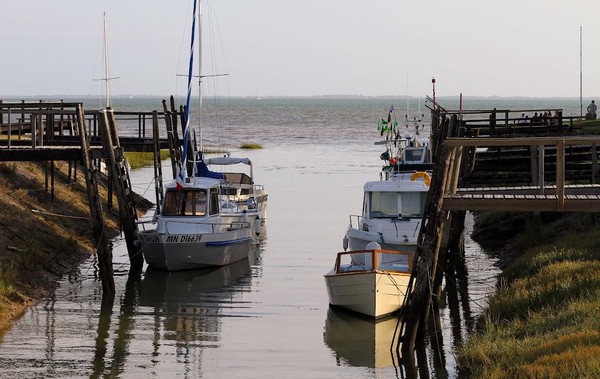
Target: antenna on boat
[580, 76]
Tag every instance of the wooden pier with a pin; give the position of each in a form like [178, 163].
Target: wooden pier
[493, 164]
[61, 131]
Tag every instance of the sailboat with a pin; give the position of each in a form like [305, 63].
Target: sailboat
[191, 230]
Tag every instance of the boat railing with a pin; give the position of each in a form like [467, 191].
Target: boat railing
[373, 260]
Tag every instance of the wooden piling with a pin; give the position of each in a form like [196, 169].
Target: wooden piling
[426, 255]
[158, 178]
[119, 173]
[104, 252]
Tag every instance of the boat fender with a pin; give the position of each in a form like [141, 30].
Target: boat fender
[373, 246]
[257, 225]
[421, 174]
[345, 243]
[245, 218]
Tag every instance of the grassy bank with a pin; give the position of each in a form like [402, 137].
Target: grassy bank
[544, 321]
[43, 237]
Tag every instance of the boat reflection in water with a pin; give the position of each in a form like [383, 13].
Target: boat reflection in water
[188, 306]
[359, 341]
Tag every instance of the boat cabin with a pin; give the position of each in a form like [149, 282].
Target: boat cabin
[191, 202]
[386, 200]
[416, 155]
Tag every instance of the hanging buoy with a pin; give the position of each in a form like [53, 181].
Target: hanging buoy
[421, 174]
[257, 225]
[345, 243]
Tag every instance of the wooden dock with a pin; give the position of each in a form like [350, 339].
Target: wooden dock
[493, 164]
[61, 131]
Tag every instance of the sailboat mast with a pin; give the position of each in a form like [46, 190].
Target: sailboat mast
[106, 79]
[200, 72]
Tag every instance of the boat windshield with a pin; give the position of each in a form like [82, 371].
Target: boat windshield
[414, 155]
[187, 202]
[396, 204]
[362, 260]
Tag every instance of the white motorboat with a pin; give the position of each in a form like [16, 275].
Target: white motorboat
[191, 231]
[369, 282]
[392, 212]
[241, 199]
[393, 206]
[239, 187]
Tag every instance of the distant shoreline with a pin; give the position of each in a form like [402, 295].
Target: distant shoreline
[380, 97]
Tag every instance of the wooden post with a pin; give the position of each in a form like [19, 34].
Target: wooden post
[104, 252]
[52, 180]
[32, 122]
[560, 175]
[127, 211]
[158, 182]
[426, 254]
[594, 164]
[171, 139]
[9, 127]
[533, 158]
[541, 167]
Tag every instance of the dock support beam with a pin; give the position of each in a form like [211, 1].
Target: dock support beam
[120, 179]
[427, 255]
[104, 250]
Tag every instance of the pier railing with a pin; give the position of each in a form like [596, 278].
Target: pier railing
[545, 192]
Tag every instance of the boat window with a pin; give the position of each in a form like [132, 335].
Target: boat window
[350, 262]
[228, 191]
[383, 205]
[185, 203]
[414, 155]
[413, 204]
[214, 201]
[394, 262]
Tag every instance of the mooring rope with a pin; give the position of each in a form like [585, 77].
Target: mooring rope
[37, 211]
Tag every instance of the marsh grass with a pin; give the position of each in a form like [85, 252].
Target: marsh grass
[143, 159]
[544, 320]
[250, 146]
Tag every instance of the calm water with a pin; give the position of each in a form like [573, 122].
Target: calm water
[266, 317]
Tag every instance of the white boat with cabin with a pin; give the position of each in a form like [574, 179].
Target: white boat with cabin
[370, 282]
[392, 212]
[393, 206]
[238, 187]
[191, 231]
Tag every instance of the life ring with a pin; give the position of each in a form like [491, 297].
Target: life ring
[421, 174]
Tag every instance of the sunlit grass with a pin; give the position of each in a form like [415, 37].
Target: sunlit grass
[544, 321]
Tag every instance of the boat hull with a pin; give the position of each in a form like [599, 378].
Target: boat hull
[374, 293]
[175, 252]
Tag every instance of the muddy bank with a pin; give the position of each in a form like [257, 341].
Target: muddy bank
[43, 238]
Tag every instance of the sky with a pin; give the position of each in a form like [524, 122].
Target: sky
[525, 48]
